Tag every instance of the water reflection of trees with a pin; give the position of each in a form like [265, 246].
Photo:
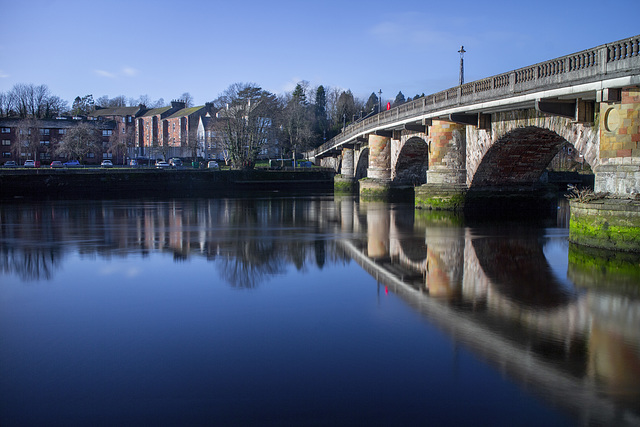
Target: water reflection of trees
[250, 239]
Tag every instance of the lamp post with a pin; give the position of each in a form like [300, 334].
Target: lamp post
[461, 52]
[380, 101]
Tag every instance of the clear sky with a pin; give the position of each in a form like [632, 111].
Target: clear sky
[165, 48]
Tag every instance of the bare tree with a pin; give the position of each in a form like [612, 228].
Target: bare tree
[244, 123]
[27, 138]
[30, 100]
[188, 100]
[79, 141]
[121, 143]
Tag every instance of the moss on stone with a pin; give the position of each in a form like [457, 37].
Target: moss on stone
[449, 202]
[607, 225]
[374, 194]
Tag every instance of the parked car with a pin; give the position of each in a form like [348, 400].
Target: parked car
[29, 164]
[161, 164]
[10, 164]
[213, 165]
[175, 162]
[55, 164]
[72, 164]
[106, 164]
[133, 162]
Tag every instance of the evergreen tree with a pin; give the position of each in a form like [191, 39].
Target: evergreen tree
[299, 95]
[320, 113]
[372, 103]
[399, 99]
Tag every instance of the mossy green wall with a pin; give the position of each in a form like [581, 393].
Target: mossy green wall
[607, 223]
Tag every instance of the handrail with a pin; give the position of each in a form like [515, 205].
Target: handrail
[587, 65]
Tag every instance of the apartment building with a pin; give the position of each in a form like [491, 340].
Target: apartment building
[37, 139]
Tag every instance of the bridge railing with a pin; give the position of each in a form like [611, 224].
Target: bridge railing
[585, 66]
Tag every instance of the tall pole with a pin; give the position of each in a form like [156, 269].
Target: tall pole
[461, 52]
[380, 101]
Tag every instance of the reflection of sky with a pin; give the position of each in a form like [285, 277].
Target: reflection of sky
[556, 251]
[174, 339]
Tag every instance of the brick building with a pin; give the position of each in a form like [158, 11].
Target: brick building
[37, 139]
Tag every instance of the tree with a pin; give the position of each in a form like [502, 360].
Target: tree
[106, 102]
[29, 100]
[6, 104]
[372, 103]
[346, 107]
[245, 119]
[188, 100]
[82, 106]
[399, 99]
[296, 122]
[55, 106]
[79, 141]
[320, 112]
[27, 138]
[121, 143]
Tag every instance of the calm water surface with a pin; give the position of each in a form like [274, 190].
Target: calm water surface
[306, 311]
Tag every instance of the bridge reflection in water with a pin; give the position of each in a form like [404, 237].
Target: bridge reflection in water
[494, 288]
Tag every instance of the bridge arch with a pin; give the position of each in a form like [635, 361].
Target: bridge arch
[362, 164]
[411, 162]
[521, 144]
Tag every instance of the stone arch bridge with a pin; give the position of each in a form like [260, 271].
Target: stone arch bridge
[501, 132]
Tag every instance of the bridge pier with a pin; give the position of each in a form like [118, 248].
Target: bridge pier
[446, 185]
[613, 222]
[346, 182]
[377, 184]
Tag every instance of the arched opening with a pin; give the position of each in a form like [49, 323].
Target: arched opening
[412, 163]
[363, 164]
[518, 159]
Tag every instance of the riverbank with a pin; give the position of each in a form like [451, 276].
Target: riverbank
[98, 183]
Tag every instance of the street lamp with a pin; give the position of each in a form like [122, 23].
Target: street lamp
[461, 52]
[380, 101]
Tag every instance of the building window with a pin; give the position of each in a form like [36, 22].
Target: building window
[107, 132]
[91, 155]
[6, 154]
[6, 142]
[45, 156]
[44, 131]
[107, 155]
[124, 130]
[6, 130]
[44, 142]
[62, 131]
[124, 120]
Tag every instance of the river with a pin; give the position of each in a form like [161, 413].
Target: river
[315, 310]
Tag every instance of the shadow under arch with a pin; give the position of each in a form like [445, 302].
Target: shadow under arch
[363, 164]
[412, 162]
[518, 158]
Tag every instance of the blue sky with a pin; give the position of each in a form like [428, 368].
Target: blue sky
[165, 48]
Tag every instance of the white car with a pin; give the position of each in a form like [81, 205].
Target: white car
[161, 164]
[29, 164]
[213, 165]
[106, 164]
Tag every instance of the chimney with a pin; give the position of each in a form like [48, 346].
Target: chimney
[178, 105]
